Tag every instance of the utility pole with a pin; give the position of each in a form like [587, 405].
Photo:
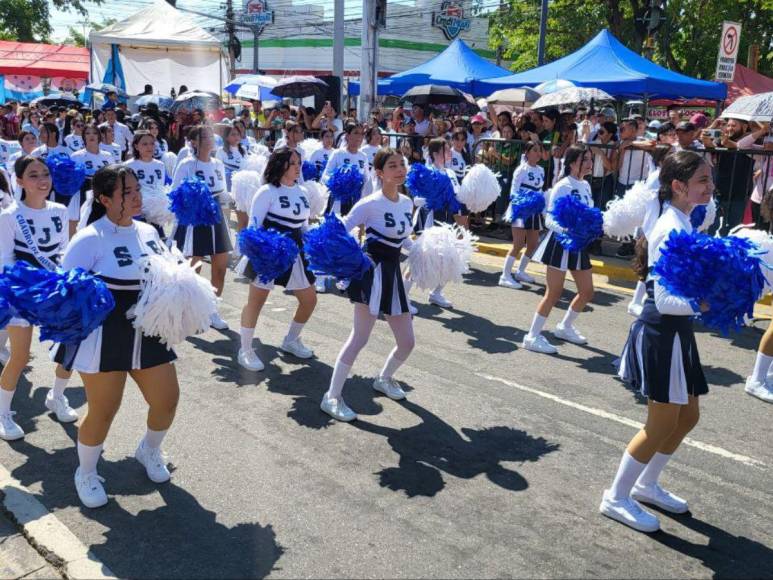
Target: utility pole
[500, 48]
[230, 30]
[255, 36]
[338, 45]
[543, 27]
[368, 63]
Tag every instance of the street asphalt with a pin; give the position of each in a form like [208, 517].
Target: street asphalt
[493, 467]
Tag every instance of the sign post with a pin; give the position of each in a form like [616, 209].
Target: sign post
[728, 51]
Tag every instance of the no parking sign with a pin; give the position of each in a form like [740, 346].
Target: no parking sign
[728, 51]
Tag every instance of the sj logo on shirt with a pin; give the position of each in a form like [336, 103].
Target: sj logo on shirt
[124, 257]
[390, 222]
[210, 181]
[46, 239]
[284, 203]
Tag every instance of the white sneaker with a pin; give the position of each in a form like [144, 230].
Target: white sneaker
[627, 511]
[319, 285]
[656, 495]
[9, 430]
[390, 387]
[569, 334]
[760, 390]
[524, 277]
[297, 348]
[90, 490]
[5, 355]
[217, 322]
[250, 361]
[342, 285]
[337, 409]
[509, 282]
[60, 407]
[538, 344]
[154, 461]
[438, 299]
[412, 309]
[635, 309]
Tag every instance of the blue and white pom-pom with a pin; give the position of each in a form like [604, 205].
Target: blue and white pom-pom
[155, 208]
[583, 224]
[702, 217]
[525, 203]
[727, 273]
[480, 188]
[440, 255]
[625, 214]
[244, 186]
[255, 162]
[309, 146]
[332, 251]
[6, 311]
[317, 195]
[67, 306]
[193, 204]
[433, 186]
[67, 176]
[175, 302]
[764, 241]
[345, 184]
[310, 171]
[269, 252]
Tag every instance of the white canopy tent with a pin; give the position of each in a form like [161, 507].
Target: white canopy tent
[160, 46]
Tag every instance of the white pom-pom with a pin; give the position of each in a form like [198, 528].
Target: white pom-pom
[169, 159]
[244, 185]
[764, 241]
[255, 163]
[309, 146]
[175, 302]
[317, 195]
[711, 216]
[625, 214]
[155, 208]
[480, 188]
[440, 255]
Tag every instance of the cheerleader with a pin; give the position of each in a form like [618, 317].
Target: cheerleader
[160, 145]
[92, 157]
[459, 156]
[199, 241]
[529, 175]
[282, 205]
[578, 163]
[372, 144]
[49, 142]
[28, 143]
[32, 230]
[757, 384]
[661, 359]
[248, 143]
[321, 156]
[232, 153]
[112, 247]
[150, 172]
[6, 200]
[107, 143]
[386, 217]
[293, 135]
[74, 140]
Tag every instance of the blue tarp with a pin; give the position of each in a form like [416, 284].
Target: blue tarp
[457, 66]
[606, 64]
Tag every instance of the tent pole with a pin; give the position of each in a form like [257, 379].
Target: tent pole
[646, 106]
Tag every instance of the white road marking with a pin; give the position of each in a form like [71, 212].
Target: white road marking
[750, 461]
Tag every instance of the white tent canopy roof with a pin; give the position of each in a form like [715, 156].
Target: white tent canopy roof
[158, 25]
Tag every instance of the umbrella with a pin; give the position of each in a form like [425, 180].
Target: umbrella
[193, 100]
[107, 88]
[249, 81]
[520, 96]
[751, 108]
[572, 96]
[300, 86]
[163, 103]
[56, 100]
[552, 86]
[435, 95]
[256, 93]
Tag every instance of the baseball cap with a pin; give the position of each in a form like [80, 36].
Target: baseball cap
[608, 112]
[685, 126]
[654, 125]
[699, 120]
[478, 119]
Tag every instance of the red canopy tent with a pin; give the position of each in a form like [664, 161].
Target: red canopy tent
[44, 60]
[745, 82]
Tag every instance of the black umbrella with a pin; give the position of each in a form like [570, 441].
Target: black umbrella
[193, 100]
[57, 100]
[435, 95]
[300, 86]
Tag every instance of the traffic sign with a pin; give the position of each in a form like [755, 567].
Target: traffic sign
[728, 51]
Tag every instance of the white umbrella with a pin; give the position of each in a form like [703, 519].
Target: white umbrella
[250, 81]
[751, 108]
[552, 86]
[519, 96]
[572, 96]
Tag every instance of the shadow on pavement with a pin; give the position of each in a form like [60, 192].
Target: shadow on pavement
[484, 334]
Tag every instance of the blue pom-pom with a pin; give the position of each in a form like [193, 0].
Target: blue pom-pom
[345, 184]
[67, 306]
[67, 176]
[434, 186]
[270, 252]
[168, 179]
[193, 204]
[525, 203]
[6, 312]
[698, 215]
[310, 171]
[333, 251]
[724, 272]
[583, 224]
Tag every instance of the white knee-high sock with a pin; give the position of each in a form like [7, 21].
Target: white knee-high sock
[5, 400]
[536, 324]
[639, 293]
[340, 372]
[153, 439]
[523, 262]
[246, 335]
[569, 317]
[59, 386]
[761, 367]
[294, 331]
[508, 269]
[391, 365]
[653, 470]
[627, 474]
[88, 457]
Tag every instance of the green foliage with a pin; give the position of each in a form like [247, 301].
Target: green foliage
[29, 20]
[76, 37]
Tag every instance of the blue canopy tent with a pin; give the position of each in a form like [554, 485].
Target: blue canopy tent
[606, 64]
[457, 66]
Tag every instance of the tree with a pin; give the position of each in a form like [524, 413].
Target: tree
[76, 38]
[687, 42]
[29, 20]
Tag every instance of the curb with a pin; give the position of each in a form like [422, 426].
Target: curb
[50, 537]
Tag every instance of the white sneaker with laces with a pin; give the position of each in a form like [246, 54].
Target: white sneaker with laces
[319, 285]
[509, 282]
[60, 407]
[524, 277]
[635, 309]
[297, 348]
[538, 344]
[627, 511]
[390, 387]
[154, 461]
[762, 391]
[337, 409]
[217, 322]
[5, 355]
[90, 490]
[250, 360]
[9, 430]
[656, 495]
[569, 334]
[438, 299]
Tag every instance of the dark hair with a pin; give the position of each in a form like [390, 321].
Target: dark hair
[104, 183]
[505, 126]
[194, 134]
[103, 129]
[370, 130]
[659, 153]
[278, 164]
[327, 130]
[610, 127]
[350, 126]
[382, 156]
[529, 127]
[96, 128]
[5, 187]
[224, 134]
[665, 128]
[459, 133]
[571, 155]
[136, 140]
[529, 145]
[23, 134]
[52, 130]
[20, 166]
[435, 146]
